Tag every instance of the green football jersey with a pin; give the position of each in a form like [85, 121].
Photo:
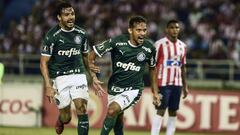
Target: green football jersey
[128, 62]
[65, 50]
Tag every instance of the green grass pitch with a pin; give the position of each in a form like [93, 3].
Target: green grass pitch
[73, 131]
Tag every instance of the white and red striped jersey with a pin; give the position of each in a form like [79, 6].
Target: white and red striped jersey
[170, 57]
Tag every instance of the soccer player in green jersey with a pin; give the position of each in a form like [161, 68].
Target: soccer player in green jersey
[64, 60]
[129, 53]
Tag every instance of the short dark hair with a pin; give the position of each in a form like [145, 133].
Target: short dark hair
[171, 21]
[136, 19]
[61, 5]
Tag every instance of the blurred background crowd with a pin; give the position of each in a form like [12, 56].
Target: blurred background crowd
[211, 28]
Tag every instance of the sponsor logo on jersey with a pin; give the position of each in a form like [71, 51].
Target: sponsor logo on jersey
[173, 63]
[106, 50]
[121, 43]
[78, 39]
[81, 86]
[119, 89]
[141, 56]
[69, 53]
[146, 49]
[77, 70]
[122, 52]
[128, 66]
[100, 47]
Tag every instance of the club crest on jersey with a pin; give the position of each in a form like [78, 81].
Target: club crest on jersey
[77, 39]
[141, 56]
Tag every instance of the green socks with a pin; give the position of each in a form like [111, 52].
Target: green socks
[83, 124]
[108, 125]
[118, 128]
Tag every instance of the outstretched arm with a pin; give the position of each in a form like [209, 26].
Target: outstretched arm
[153, 78]
[96, 83]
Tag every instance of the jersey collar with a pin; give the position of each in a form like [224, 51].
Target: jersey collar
[67, 30]
[135, 46]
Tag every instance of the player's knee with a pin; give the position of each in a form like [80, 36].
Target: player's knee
[111, 112]
[66, 118]
[81, 109]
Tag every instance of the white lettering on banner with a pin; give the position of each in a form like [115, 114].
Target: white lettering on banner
[188, 114]
[15, 106]
[196, 107]
[206, 102]
[226, 112]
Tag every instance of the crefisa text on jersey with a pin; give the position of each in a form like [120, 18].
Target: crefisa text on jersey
[69, 53]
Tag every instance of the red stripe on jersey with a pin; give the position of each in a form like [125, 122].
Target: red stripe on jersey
[169, 56]
[175, 69]
[184, 56]
[183, 62]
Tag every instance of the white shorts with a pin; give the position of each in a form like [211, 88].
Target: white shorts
[70, 87]
[125, 99]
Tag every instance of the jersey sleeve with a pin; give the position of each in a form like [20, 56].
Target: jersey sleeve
[183, 60]
[47, 46]
[85, 46]
[152, 60]
[157, 45]
[104, 47]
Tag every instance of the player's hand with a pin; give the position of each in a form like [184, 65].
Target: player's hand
[157, 99]
[185, 92]
[97, 85]
[94, 68]
[50, 93]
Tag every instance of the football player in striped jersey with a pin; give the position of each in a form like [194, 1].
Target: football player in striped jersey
[171, 74]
